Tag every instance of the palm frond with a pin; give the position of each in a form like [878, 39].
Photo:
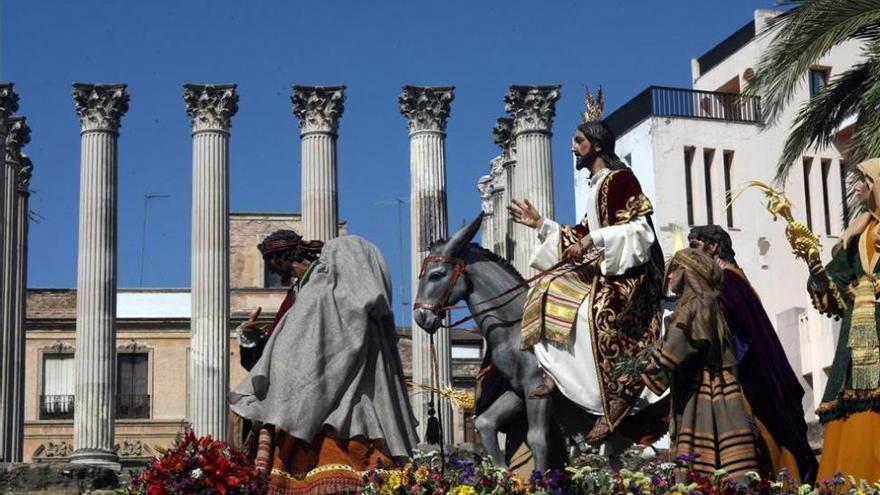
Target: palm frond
[800, 37]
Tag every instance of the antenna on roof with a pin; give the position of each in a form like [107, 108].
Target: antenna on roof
[399, 202]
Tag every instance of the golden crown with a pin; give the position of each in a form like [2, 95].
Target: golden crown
[595, 105]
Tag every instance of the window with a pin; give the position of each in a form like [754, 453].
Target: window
[826, 168]
[728, 165]
[688, 183]
[56, 401]
[132, 395]
[808, 165]
[843, 194]
[708, 155]
[818, 80]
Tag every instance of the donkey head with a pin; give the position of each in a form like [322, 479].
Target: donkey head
[442, 280]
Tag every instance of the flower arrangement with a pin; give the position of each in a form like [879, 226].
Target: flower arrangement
[425, 475]
[199, 465]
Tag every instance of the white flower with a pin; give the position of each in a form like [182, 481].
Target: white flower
[196, 474]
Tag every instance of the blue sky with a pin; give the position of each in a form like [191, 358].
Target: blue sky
[373, 47]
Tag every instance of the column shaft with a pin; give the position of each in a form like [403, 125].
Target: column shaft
[7, 307]
[16, 435]
[319, 199]
[95, 358]
[534, 181]
[428, 223]
[209, 354]
[8, 106]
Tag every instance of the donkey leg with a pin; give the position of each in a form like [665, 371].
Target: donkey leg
[538, 436]
[487, 424]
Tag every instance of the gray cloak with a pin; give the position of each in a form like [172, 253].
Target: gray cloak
[334, 360]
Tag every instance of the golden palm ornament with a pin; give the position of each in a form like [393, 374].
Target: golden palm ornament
[804, 243]
[463, 399]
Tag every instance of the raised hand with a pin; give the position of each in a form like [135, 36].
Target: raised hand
[525, 213]
[251, 327]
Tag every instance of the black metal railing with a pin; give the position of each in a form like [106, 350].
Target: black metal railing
[127, 406]
[688, 103]
[56, 406]
[132, 406]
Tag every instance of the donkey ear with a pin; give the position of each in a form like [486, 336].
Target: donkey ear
[463, 237]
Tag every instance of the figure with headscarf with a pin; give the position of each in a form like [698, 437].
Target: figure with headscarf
[287, 255]
[710, 417]
[329, 384]
[769, 384]
[847, 289]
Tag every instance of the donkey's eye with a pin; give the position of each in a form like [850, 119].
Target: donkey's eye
[436, 276]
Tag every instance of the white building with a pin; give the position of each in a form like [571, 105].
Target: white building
[691, 146]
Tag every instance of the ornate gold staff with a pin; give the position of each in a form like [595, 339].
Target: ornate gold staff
[804, 243]
[461, 398]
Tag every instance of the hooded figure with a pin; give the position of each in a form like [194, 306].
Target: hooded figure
[848, 288]
[710, 416]
[330, 378]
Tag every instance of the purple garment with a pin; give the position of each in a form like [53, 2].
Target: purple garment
[767, 380]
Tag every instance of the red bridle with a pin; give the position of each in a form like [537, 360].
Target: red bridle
[458, 268]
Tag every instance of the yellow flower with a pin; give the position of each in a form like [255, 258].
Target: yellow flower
[463, 490]
[394, 482]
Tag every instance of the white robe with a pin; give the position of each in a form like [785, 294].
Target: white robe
[573, 367]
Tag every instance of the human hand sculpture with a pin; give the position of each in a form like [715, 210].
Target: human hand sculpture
[525, 213]
[251, 327]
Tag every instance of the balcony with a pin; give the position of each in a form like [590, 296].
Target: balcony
[56, 406]
[659, 101]
[127, 406]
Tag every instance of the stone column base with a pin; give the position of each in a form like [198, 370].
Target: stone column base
[96, 457]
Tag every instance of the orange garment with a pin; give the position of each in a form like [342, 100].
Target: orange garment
[327, 465]
[852, 446]
[780, 457]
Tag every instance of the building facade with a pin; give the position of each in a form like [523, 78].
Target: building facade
[153, 346]
[693, 147]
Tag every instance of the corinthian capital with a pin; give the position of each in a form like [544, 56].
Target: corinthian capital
[100, 106]
[318, 108]
[210, 106]
[425, 107]
[532, 107]
[18, 135]
[8, 102]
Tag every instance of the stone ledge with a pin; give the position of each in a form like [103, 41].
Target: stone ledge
[56, 479]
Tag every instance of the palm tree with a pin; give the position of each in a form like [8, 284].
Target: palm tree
[800, 36]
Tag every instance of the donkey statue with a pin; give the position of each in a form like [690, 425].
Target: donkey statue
[495, 294]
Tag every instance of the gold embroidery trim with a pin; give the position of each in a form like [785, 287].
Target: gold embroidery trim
[636, 206]
[323, 469]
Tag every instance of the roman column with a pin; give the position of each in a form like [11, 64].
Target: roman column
[16, 446]
[318, 109]
[487, 204]
[100, 108]
[502, 171]
[12, 343]
[211, 108]
[532, 109]
[426, 110]
[8, 106]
